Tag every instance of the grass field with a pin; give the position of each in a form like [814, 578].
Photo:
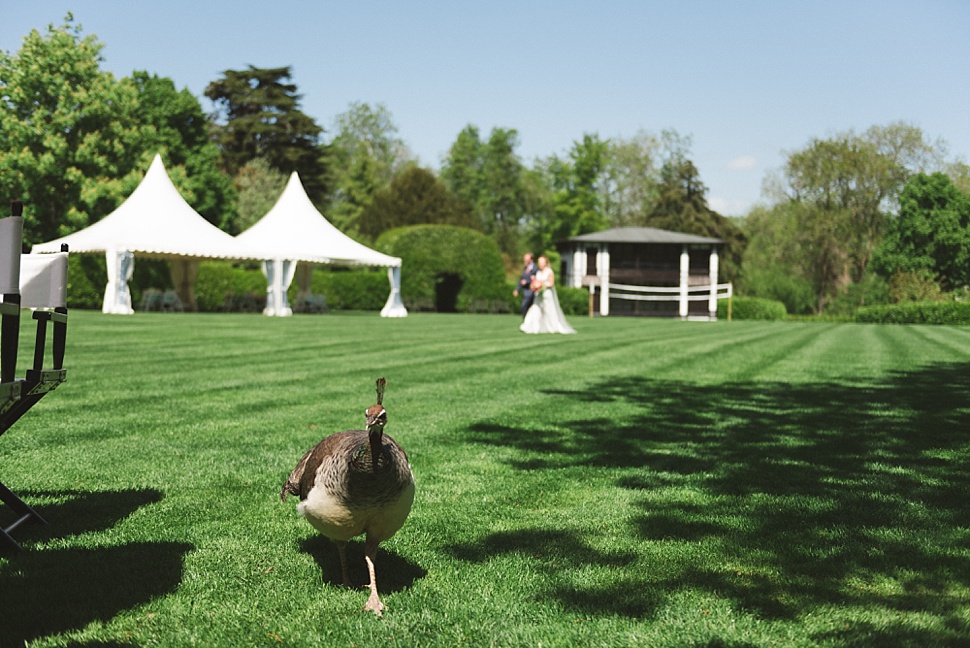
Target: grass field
[642, 483]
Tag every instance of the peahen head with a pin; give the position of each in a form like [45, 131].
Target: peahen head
[376, 418]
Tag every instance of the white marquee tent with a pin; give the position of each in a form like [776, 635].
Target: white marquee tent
[154, 222]
[294, 234]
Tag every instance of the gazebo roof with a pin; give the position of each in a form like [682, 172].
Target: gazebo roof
[642, 235]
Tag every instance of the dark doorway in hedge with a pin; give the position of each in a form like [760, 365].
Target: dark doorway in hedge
[447, 287]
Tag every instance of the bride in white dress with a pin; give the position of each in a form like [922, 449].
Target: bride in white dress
[545, 315]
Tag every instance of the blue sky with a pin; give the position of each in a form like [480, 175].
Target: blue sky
[746, 80]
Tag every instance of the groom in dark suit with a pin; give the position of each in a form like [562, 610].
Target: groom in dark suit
[525, 283]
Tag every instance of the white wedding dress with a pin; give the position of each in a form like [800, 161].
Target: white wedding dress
[545, 315]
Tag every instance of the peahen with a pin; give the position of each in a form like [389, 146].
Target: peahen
[356, 482]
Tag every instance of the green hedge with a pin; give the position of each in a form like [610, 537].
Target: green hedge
[574, 301]
[752, 308]
[349, 289]
[429, 252]
[217, 281]
[86, 280]
[927, 312]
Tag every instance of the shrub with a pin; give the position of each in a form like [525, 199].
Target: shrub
[795, 292]
[871, 290]
[919, 286]
[147, 274]
[220, 280]
[752, 308]
[344, 289]
[574, 301]
[86, 280]
[926, 312]
[349, 289]
[430, 252]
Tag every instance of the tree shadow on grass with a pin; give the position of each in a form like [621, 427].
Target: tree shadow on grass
[49, 591]
[394, 573]
[814, 495]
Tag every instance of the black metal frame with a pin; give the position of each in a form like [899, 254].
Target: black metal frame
[17, 396]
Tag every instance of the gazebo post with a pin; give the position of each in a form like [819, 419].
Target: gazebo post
[580, 265]
[603, 269]
[684, 278]
[712, 301]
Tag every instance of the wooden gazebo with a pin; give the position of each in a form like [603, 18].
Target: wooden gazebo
[646, 271]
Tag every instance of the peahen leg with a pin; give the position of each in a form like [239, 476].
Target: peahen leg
[370, 554]
[342, 550]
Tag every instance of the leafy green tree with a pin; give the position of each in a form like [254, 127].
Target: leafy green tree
[367, 154]
[681, 206]
[631, 174]
[258, 115]
[69, 132]
[931, 234]
[843, 191]
[489, 178]
[540, 207]
[854, 181]
[357, 184]
[414, 197]
[774, 267]
[258, 186]
[959, 172]
[462, 170]
[503, 204]
[630, 179]
[180, 132]
[573, 203]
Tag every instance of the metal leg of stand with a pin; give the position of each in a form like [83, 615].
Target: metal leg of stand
[24, 513]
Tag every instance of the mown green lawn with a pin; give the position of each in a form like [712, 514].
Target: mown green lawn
[642, 483]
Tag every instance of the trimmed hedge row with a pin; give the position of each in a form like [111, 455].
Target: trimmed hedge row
[217, 281]
[350, 289]
[752, 308]
[429, 251]
[221, 283]
[574, 301]
[344, 288]
[86, 279]
[927, 312]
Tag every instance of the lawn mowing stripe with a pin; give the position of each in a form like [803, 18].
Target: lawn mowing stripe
[644, 482]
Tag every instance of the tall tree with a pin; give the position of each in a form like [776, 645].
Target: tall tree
[414, 197]
[773, 266]
[856, 179]
[571, 202]
[503, 203]
[959, 172]
[258, 186]
[681, 206]
[631, 173]
[367, 154]
[69, 132]
[462, 169]
[489, 178]
[630, 179]
[258, 115]
[931, 233]
[180, 132]
[845, 189]
[576, 195]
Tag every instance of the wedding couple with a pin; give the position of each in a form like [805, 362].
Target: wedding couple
[540, 306]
